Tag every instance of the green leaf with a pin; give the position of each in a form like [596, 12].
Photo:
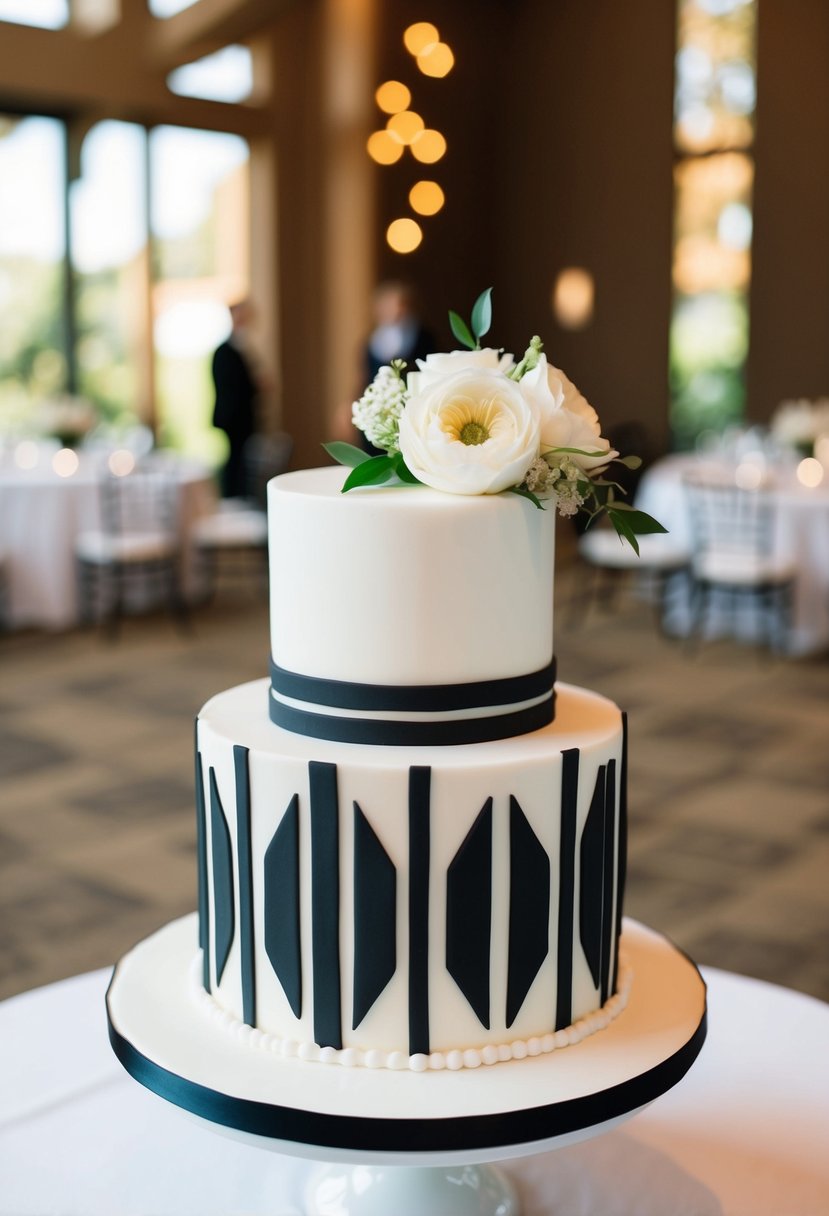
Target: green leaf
[370, 472]
[525, 493]
[346, 453]
[482, 314]
[573, 452]
[624, 531]
[630, 462]
[461, 330]
[638, 521]
[403, 471]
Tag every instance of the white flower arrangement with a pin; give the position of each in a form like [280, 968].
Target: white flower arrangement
[799, 424]
[474, 421]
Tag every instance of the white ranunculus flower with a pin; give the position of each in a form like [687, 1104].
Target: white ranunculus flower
[472, 432]
[567, 419]
[437, 367]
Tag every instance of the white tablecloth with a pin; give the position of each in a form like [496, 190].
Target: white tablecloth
[41, 514]
[801, 535]
[744, 1133]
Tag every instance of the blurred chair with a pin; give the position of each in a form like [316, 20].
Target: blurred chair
[662, 562]
[132, 562]
[733, 559]
[232, 541]
[265, 456]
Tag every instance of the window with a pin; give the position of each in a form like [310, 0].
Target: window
[46, 14]
[198, 217]
[33, 363]
[713, 177]
[226, 75]
[109, 255]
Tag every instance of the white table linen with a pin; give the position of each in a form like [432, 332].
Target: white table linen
[801, 536]
[42, 514]
[743, 1133]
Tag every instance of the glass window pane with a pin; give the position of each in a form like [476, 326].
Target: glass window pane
[712, 223]
[715, 74]
[168, 8]
[226, 75]
[32, 273]
[47, 14]
[199, 221]
[109, 250]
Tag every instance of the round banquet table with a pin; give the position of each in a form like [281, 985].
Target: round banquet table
[41, 515]
[801, 536]
[744, 1132]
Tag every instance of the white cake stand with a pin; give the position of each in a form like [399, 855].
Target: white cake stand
[400, 1143]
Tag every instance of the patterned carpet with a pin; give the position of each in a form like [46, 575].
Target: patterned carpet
[729, 781]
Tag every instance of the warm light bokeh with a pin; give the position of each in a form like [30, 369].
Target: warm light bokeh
[420, 36]
[392, 97]
[429, 146]
[405, 127]
[404, 235]
[810, 472]
[384, 148]
[426, 198]
[65, 462]
[437, 60]
[573, 295]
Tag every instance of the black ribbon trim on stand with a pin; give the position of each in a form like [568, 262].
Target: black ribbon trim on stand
[409, 1135]
[412, 698]
[395, 732]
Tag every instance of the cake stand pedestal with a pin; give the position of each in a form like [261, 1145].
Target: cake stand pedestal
[400, 1143]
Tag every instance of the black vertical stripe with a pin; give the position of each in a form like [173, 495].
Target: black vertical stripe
[201, 852]
[608, 919]
[419, 850]
[567, 886]
[622, 846]
[245, 863]
[325, 903]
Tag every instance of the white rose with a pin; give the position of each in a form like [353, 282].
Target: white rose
[470, 433]
[437, 367]
[567, 419]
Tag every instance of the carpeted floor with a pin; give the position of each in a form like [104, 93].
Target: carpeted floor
[729, 786]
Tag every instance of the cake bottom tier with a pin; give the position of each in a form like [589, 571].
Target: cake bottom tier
[411, 907]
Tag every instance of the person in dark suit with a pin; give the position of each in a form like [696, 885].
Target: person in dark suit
[398, 332]
[236, 398]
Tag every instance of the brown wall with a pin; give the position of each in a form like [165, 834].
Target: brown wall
[789, 343]
[558, 120]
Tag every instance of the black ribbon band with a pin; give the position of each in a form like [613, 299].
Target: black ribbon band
[412, 698]
[394, 732]
[409, 1135]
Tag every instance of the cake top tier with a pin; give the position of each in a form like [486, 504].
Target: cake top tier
[408, 588]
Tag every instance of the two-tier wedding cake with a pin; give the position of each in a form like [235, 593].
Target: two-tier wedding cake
[411, 844]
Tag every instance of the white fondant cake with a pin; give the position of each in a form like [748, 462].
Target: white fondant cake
[411, 854]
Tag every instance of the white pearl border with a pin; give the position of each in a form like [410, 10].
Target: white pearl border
[454, 1060]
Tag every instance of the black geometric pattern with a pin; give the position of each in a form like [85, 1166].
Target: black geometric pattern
[224, 913]
[529, 909]
[375, 917]
[469, 914]
[591, 876]
[282, 940]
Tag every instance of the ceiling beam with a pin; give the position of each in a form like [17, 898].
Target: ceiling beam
[60, 72]
[207, 26]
